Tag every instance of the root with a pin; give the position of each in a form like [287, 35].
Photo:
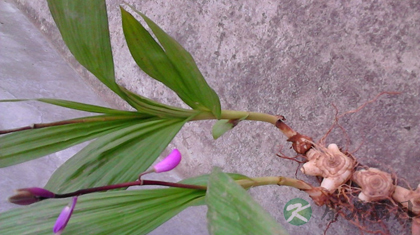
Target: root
[292, 158]
[338, 117]
[336, 123]
[360, 145]
[368, 102]
[345, 204]
[295, 158]
[368, 217]
[368, 206]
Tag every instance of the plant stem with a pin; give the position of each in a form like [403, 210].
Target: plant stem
[126, 185]
[232, 114]
[245, 183]
[278, 121]
[274, 180]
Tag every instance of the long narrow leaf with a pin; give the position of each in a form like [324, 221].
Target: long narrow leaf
[150, 57]
[30, 144]
[118, 212]
[77, 106]
[231, 210]
[117, 157]
[184, 63]
[172, 65]
[84, 28]
[144, 105]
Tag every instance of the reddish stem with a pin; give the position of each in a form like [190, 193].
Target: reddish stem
[129, 184]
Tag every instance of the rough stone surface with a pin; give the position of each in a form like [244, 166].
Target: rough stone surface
[300, 59]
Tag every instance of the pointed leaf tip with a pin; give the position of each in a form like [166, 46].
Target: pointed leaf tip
[169, 63]
[224, 125]
[221, 127]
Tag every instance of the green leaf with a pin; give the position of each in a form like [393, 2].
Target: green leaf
[117, 157]
[116, 212]
[223, 126]
[231, 210]
[112, 212]
[31, 144]
[170, 64]
[84, 28]
[77, 106]
[144, 105]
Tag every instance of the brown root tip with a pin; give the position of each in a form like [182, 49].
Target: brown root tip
[234, 122]
[281, 118]
[301, 143]
[319, 195]
[283, 127]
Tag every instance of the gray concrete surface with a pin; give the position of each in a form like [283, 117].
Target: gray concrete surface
[294, 58]
[31, 68]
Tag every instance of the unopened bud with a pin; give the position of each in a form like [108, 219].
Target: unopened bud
[26, 196]
[168, 163]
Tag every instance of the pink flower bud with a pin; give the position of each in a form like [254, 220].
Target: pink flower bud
[26, 196]
[169, 163]
[64, 217]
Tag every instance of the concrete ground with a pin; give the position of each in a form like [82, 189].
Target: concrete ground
[293, 58]
[31, 68]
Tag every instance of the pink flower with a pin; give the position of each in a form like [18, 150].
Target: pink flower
[169, 163]
[26, 196]
[64, 217]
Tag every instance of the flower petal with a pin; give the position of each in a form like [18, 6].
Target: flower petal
[169, 163]
[64, 217]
